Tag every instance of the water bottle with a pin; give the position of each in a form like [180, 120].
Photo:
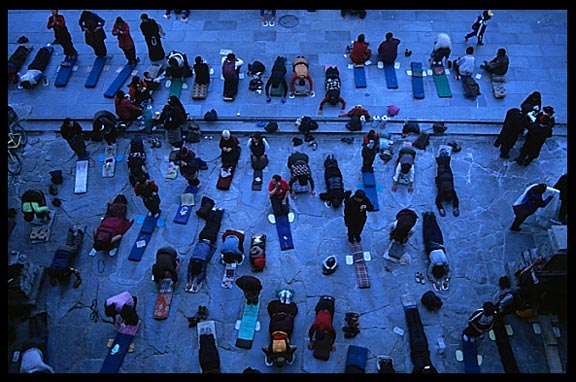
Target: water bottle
[147, 117]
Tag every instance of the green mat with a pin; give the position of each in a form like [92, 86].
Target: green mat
[276, 91]
[248, 325]
[441, 82]
[175, 88]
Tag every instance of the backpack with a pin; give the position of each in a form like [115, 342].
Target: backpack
[307, 124]
[193, 135]
[422, 141]
[211, 115]
[271, 126]
[431, 301]
[354, 124]
[256, 68]
[411, 127]
[471, 87]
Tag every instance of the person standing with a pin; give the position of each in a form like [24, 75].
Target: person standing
[562, 186]
[479, 26]
[537, 134]
[355, 208]
[147, 189]
[62, 36]
[514, 125]
[123, 304]
[360, 53]
[528, 203]
[121, 29]
[388, 49]
[93, 27]
[370, 147]
[231, 74]
[152, 32]
[71, 131]
[268, 17]
[278, 190]
[498, 65]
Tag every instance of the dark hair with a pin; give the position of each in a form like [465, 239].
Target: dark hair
[438, 271]
[129, 315]
[109, 310]
[172, 61]
[231, 56]
[257, 135]
[489, 308]
[501, 52]
[28, 216]
[276, 177]
[119, 20]
[389, 35]
[469, 50]
[405, 167]
[98, 245]
[361, 37]
[198, 59]
[120, 93]
[144, 16]
[359, 194]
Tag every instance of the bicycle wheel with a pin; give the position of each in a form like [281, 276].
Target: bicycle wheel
[14, 163]
[18, 134]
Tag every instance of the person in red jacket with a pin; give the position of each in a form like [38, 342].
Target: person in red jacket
[121, 29]
[322, 334]
[360, 52]
[126, 110]
[278, 190]
[62, 36]
[111, 229]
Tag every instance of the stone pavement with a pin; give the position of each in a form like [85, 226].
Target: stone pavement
[479, 244]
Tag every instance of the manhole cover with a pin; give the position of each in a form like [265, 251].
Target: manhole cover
[288, 21]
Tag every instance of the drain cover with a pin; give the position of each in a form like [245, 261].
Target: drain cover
[288, 21]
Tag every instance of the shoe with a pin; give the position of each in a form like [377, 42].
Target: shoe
[269, 99]
[442, 212]
[264, 23]
[272, 23]
[149, 213]
[112, 252]
[456, 212]
[157, 215]
[358, 239]
[166, 16]
[283, 100]
[466, 38]
[93, 252]
[436, 286]
[291, 217]
[272, 218]
[445, 284]
[184, 19]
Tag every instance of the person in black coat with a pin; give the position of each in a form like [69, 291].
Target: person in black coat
[562, 186]
[445, 184]
[335, 193]
[251, 286]
[514, 124]
[93, 27]
[355, 208]
[536, 136]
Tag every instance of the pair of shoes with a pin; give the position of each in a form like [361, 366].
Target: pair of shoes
[456, 212]
[420, 278]
[202, 312]
[264, 23]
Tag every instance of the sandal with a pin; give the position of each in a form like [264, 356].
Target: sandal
[422, 279]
